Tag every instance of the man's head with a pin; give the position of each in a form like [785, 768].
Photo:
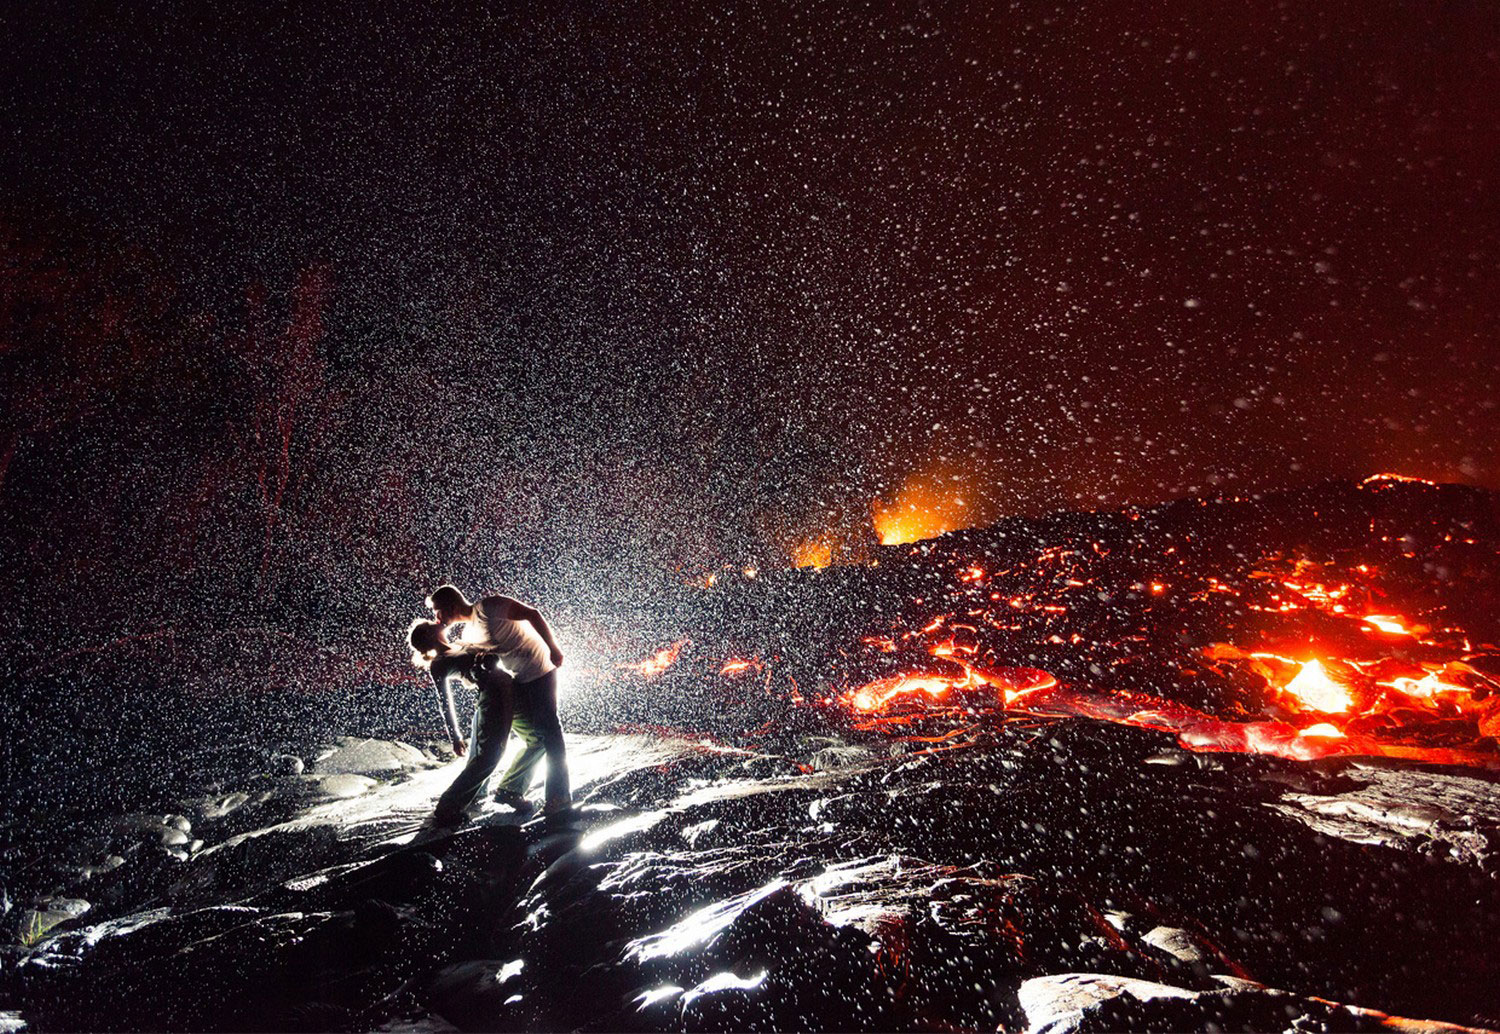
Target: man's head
[448, 604]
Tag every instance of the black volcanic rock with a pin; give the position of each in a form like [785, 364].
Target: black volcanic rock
[904, 891]
[755, 856]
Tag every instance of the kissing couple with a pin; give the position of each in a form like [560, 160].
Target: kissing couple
[507, 653]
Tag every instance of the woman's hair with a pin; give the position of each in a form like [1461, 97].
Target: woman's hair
[426, 641]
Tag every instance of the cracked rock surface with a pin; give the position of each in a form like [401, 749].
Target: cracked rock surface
[1060, 878]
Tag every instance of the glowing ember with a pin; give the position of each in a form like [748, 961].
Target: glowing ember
[1325, 729]
[658, 662]
[1313, 687]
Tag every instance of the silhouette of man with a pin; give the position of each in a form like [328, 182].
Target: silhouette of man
[520, 638]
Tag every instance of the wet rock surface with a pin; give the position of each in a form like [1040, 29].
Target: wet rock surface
[1064, 877]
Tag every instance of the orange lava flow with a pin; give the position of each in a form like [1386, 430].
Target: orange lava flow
[658, 662]
[874, 696]
[739, 665]
[1389, 624]
[1317, 692]
[926, 687]
[1333, 665]
[1376, 479]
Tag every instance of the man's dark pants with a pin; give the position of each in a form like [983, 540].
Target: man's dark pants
[537, 724]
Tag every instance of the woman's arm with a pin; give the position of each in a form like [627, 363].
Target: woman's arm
[442, 667]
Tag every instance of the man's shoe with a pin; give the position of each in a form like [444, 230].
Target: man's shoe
[520, 805]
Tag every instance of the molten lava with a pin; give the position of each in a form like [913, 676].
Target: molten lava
[740, 665]
[1316, 691]
[881, 692]
[1361, 677]
[659, 661]
[1376, 480]
[1310, 628]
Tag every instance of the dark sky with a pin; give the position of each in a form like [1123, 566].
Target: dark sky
[756, 266]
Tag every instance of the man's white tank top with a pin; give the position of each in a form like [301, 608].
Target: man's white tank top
[522, 651]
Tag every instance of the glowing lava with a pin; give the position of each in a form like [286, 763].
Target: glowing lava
[1317, 692]
[1377, 479]
[817, 552]
[926, 687]
[875, 696]
[1388, 624]
[1424, 688]
[658, 662]
[924, 508]
[739, 665]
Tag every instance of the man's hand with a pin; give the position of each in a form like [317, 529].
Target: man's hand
[460, 748]
[557, 657]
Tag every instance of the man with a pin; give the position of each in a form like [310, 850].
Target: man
[520, 638]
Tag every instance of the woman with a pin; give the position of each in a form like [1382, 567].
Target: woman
[493, 709]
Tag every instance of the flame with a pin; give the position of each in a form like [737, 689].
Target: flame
[924, 508]
[815, 552]
[1324, 729]
[658, 662]
[1313, 687]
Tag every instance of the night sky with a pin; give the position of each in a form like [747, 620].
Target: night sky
[694, 284]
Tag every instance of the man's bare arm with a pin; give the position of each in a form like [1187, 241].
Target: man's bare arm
[515, 610]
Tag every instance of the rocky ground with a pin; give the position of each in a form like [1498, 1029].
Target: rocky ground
[1054, 876]
[763, 845]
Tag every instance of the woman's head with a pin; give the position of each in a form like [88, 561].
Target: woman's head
[426, 641]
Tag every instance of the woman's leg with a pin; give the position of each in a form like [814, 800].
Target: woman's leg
[517, 778]
[493, 710]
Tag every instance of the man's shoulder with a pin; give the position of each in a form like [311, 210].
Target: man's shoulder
[501, 607]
